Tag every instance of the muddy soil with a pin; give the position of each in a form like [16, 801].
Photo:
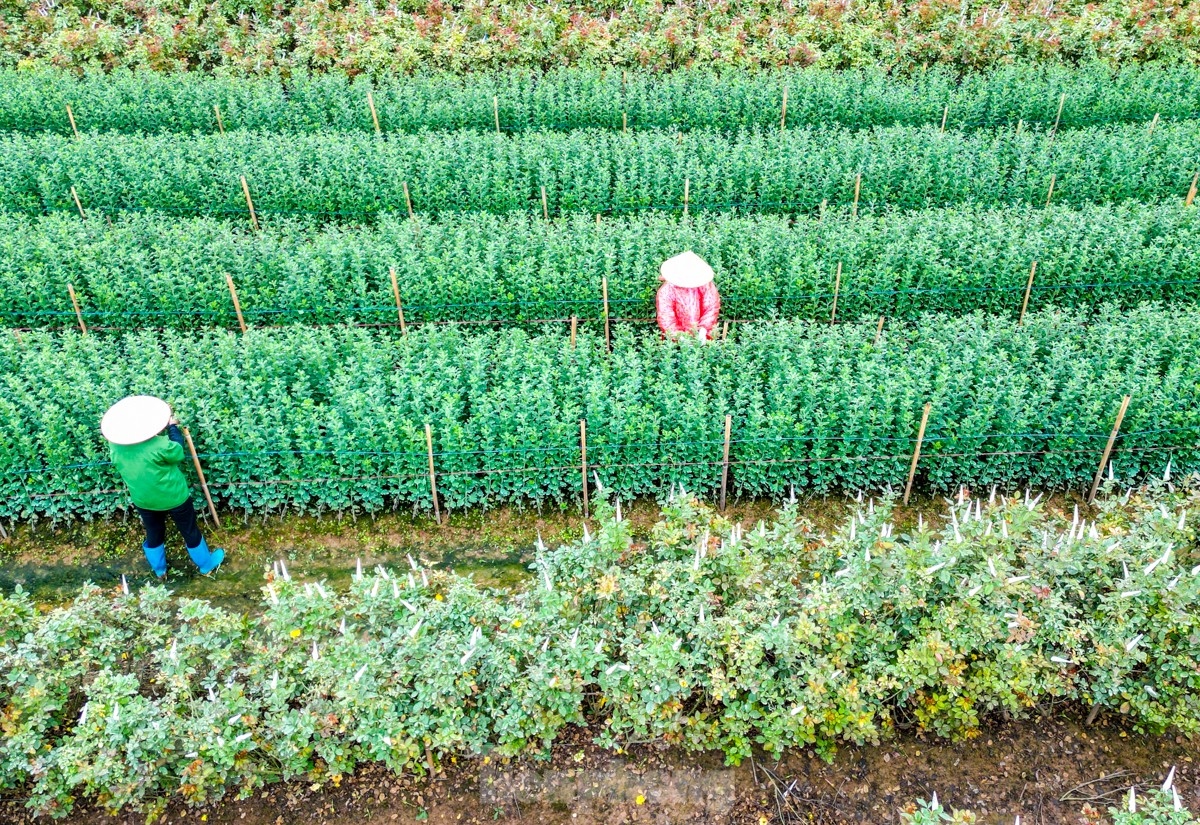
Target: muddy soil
[494, 547]
[1045, 771]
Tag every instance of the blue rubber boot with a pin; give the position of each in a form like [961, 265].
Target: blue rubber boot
[205, 559]
[157, 556]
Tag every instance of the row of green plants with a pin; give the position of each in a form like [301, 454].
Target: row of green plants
[153, 270]
[613, 99]
[333, 418]
[253, 38]
[596, 171]
[1158, 806]
[701, 634]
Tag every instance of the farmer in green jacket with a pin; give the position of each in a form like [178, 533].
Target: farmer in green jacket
[149, 463]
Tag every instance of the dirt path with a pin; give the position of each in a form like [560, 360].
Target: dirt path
[1044, 771]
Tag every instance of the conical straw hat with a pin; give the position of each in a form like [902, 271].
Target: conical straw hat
[686, 269]
[135, 419]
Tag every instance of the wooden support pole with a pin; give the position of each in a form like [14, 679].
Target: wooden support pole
[374, 114]
[583, 462]
[1191, 195]
[1153, 123]
[1108, 449]
[857, 190]
[78, 313]
[1050, 194]
[725, 461]
[604, 296]
[574, 325]
[945, 114]
[396, 295]
[912, 469]
[237, 305]
[837, 285]
[687, 191]
[496, 111]
[624, 123]
[437, 509]
[220, 122]
[71, 117]
[249, 203]
[725, 331]
[78, 205]
[200, 474]
[545, 208]
[1028, 288]
[1058, 117]
[783, 116]
[878, 331]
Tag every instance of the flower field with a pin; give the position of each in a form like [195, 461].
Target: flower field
[381, 289]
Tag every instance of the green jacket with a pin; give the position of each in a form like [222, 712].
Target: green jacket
[151, 471]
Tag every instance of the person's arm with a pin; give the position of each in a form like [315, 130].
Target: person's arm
[172, 451]
[668, 322]
[710, 308]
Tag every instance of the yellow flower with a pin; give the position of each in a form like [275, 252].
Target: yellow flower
[516, 622]
[639, 799]
[296, 633]
[437, 597]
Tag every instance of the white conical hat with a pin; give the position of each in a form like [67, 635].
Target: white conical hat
[686, 269]
[135, 419]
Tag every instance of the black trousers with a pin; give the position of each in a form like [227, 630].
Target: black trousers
[184, 516]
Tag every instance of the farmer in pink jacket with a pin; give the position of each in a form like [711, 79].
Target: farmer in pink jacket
[687, 301]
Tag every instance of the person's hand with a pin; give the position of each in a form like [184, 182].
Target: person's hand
[172, 421]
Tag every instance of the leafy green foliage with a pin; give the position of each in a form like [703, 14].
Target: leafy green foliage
[333, 418]
[704, 635]
[576, 98]
[156, 270]
[595, 171]
[1159, 807]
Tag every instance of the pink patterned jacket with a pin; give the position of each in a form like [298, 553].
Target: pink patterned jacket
[683, 309]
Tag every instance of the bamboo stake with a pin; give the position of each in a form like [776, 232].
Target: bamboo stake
[237, 306]
[249, 204]
[574, 324]
[1050, 194]
[78, 313]
[857, 189]
[1108, 449]
[1020, 126]
[912, 469]
[1191, 195]
[220, 122]
[624, 123]
[71, 117]
[396, 295]
[945, 114]
[725, 331]
[725, 461]
[545, 209]
[1028, 287]
[200, 474]
[1058, 117]
[878, 331]
[783, 117]
[837, 285]
[583, 462]
[687, 190]
[1153, 123]
[437, 510]
[496, 111]
[78, 205]
[374, 114]
[604, 294]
